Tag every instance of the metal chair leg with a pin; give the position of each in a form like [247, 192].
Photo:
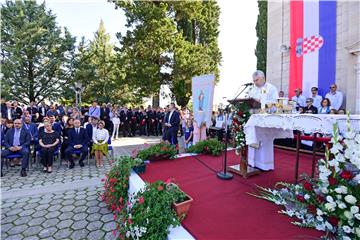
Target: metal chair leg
[298, 141]
[313, 157]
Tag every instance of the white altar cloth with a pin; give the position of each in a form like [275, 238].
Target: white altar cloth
[262, 129]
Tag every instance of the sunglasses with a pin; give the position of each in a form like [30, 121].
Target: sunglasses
[332, 87]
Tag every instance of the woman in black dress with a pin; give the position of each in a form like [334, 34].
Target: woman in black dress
[48, 141]
[68, 126]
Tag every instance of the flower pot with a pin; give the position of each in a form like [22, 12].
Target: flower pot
[140, 168]
[182, 208]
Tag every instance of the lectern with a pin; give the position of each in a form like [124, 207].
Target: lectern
[251, 102]
[243, 168]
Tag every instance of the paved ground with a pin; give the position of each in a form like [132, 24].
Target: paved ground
[61, 205]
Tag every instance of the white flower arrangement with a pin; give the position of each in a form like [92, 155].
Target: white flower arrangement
[331, 202]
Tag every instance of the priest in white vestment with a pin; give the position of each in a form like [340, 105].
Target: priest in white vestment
[265, 93]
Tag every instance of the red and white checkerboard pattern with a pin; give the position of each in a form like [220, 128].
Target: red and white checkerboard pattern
[310, 44]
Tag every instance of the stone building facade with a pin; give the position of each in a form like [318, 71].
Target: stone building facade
[347, 49]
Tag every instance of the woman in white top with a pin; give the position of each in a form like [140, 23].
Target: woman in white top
[100, 147]
[116, 122]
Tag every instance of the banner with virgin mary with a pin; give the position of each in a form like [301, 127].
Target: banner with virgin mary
[203, 96]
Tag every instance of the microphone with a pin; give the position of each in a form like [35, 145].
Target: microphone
[247, 84]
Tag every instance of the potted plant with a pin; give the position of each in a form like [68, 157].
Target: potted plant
[116, 183]
[139, 166]
[181, 200]
[211, 146]
[157, 152]
[148, 214]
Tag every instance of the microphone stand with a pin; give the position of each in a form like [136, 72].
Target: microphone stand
[224, 175]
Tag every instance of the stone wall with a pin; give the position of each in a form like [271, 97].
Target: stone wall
[348, 33]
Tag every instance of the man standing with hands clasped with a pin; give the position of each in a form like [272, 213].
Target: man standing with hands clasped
[172, 120]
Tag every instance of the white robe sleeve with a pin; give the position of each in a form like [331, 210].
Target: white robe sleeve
[273, 94]
[94, 137]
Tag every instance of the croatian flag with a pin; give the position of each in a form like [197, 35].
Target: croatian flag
[313, 45]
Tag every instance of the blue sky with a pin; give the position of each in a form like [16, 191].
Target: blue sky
[82, 17]
[237, 39]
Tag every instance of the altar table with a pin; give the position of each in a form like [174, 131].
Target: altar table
[262, 129]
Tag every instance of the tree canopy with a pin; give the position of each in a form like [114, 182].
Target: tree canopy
[37, 55]
[169, 42]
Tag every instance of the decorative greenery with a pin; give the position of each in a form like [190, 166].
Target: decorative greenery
[116, 183]
[211, 146]
[240, 118]
[177, 195]
[261, 33]
[37, 55]
[331, 202]
[148, 214]
[157, 152]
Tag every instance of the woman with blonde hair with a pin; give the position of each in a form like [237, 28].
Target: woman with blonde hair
[100, 143]
[48, 141]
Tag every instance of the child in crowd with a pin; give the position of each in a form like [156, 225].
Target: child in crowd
[188, 133]
[333, 111]
[341, 111]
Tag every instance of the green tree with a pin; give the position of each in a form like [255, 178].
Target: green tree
[100, 55]
[261, 33]
[169, 42]
[100, 70]
[37, 55]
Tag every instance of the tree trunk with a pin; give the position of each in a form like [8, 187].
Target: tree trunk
[31, 93]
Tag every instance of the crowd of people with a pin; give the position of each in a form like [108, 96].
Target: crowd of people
[68, 130]
[317, 104]
[53, 129]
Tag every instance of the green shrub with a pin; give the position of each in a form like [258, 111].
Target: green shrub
[157, 152]
[148, 214]
[116, 183]
[211, 146]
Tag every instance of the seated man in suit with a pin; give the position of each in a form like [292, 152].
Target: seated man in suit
[17, 140]
[172, 121]
[78, 140]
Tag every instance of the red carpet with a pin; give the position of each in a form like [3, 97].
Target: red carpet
[223, 209]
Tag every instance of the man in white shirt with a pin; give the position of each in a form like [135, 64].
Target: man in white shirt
[335, 97]
[316, 98]
[299, 98]
[263, 91]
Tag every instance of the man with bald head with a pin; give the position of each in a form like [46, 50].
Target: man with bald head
[32, 128]
[17, 140]
[299, 98]
[78, 141]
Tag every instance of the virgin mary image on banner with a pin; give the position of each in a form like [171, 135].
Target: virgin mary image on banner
[202, 96]
[201, 100]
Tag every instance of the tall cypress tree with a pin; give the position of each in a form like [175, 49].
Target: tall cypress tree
[261, 33]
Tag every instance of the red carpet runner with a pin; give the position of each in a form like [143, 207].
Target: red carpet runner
[222, 209]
